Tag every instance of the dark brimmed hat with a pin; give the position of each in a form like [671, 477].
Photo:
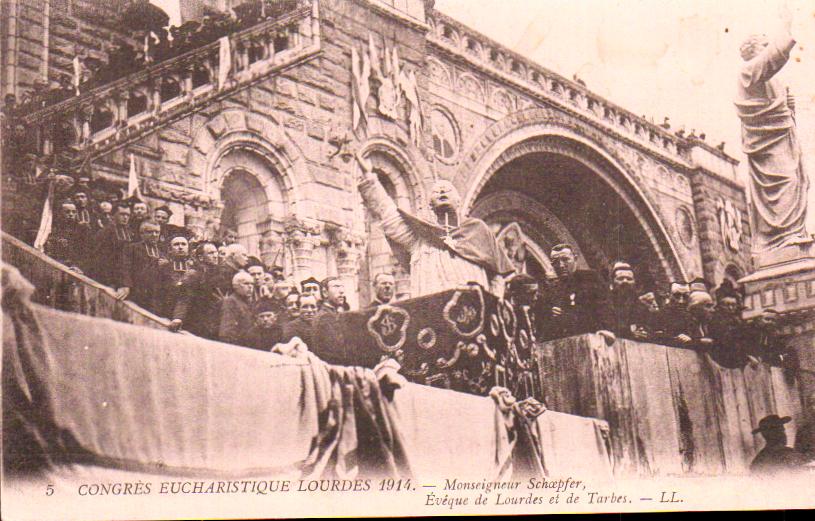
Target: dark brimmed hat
[310, 280]
[164, 208]
[770, 422]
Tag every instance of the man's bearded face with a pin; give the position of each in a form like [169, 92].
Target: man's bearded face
[444, 196]
[81, 200]
[623, 281]
[180, 247]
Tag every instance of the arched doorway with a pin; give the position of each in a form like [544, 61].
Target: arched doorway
[379, 256]
[556, 190]
[254, 204]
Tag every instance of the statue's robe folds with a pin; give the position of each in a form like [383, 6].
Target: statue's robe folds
[778, 182]
[434, 265]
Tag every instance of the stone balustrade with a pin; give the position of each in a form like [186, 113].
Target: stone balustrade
[125, 109]
[452, 37]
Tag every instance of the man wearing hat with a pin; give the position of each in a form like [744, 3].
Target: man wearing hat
[311, 286]
[775, 457]
[267, 330]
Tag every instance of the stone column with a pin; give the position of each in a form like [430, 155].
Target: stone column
[349, 248]
[303, 240]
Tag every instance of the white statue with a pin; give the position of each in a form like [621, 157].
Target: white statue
[778, 182]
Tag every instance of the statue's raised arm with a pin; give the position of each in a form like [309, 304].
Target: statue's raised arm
[778, 182]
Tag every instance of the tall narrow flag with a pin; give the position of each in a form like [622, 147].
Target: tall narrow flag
[77, 79]
[133, 180]
[224, 61]
[46, 220]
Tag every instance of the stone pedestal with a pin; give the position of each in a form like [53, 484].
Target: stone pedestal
[785, 282]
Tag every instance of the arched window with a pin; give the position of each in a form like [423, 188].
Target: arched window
[445, 137]
[379, 255]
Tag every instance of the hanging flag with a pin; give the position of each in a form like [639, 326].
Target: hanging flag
[133, 180]
[46, 220]
[224, 61]
[77, 79]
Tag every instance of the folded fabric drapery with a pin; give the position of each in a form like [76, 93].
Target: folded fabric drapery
[82, 393]
[84, 390]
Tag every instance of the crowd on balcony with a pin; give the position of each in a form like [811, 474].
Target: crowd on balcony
[691, 314]
[149, 43]
[214, 289]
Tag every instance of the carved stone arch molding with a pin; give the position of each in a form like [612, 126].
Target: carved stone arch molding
[548, 131]
[541, 228]
[411, 166]
[259, 134]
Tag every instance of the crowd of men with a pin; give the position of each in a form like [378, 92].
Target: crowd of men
[154, 45]
[216, 290]
[692, 315]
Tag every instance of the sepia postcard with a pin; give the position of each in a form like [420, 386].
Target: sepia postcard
[320, 258]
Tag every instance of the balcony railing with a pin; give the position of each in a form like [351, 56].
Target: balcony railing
[59, 287]
[453, 37]
[124, 109]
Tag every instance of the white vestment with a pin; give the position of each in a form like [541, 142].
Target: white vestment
[432, 269]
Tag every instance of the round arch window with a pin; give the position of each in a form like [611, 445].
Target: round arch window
[445, 136]
[684, 226]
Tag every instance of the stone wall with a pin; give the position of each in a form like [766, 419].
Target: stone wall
[724, 226]
[41, 37]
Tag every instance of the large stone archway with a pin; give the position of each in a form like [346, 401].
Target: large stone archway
[577, 176]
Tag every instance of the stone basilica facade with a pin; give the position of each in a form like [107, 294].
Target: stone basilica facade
[265, 147]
